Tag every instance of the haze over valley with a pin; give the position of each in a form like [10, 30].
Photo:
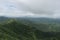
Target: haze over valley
[29, 19]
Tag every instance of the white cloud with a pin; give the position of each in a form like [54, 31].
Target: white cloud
[32, 8]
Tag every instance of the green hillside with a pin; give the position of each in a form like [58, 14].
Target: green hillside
[13, 30]
[16, 30]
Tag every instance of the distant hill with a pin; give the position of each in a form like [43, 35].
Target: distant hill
[42, 20]
[35, 20]
[43, 24]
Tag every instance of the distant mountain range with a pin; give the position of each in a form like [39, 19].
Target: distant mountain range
[34, 20]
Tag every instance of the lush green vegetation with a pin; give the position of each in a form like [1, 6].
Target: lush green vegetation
[18, 30]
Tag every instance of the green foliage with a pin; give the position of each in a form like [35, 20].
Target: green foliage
[16, 30]
[13, 30]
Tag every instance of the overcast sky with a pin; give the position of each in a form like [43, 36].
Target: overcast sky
[30, 8]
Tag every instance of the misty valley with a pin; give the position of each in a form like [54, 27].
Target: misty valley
[29, 19]
[29, 28]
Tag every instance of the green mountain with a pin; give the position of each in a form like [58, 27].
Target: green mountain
[16, 30]
[43, 24]
[29, 29]
[13, 30]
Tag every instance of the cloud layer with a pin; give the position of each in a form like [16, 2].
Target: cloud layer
[30, 8]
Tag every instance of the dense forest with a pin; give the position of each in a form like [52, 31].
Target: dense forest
[13, 29]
